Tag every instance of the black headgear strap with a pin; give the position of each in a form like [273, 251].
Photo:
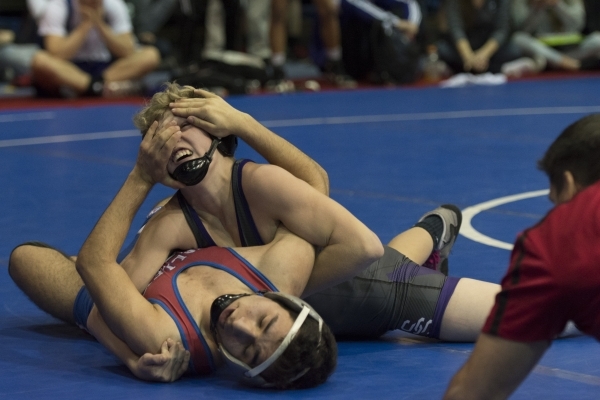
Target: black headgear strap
[193, 171]
[218, 306]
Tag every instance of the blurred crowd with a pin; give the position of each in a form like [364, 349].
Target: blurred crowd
[74, 48]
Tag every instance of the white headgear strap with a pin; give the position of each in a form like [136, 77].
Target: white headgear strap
[252, 375]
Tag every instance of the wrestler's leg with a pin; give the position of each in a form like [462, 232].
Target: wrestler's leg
[415, 243]
[430, 241]
[48, 277]
[467, 310]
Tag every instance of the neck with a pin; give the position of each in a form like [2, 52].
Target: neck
[213, 194]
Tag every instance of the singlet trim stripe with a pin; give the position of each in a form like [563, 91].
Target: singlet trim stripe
[203, 239]
[253, 269]
[181, 331]
[249, 235]
[191, 318]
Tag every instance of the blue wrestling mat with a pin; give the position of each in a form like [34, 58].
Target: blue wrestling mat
[391, 155]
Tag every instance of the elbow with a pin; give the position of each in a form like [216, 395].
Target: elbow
[455, 390]
[84, 261]
[80, 264]
[372, 247]
[325, 179]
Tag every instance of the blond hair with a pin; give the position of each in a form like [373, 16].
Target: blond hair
[159, 103]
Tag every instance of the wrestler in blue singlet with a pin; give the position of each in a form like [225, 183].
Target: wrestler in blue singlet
[392, 293]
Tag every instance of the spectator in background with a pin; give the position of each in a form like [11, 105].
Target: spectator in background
[257, 26]
[15, 59]
[149, 16]
[592, 14]
[379, 38]
[328, 11]
[90, 50]
[37, 8]
[477, 33]
[549, 32]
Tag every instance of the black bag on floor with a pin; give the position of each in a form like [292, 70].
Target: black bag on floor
[238, 73]
[395, 57]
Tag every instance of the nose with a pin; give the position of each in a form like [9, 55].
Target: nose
[244, 330]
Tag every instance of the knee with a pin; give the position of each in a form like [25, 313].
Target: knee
[594, 39]
[521, 37]
[17, 262]
[151, 55]
[41, 61]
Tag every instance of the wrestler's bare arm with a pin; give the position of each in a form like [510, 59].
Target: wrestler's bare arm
[287, 260]
[141, 325]
[214, 115]
[167, 366]
[166, 231]
[348, 246]
[495, 368]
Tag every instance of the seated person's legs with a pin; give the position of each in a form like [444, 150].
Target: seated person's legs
[50, 73]
[278, 36]
[47, 276]
[135, 66]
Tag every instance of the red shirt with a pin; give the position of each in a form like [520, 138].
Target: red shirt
[554, 275]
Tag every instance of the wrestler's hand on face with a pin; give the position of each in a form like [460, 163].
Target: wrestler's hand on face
[168, 366]
[210, 113]
[154, 153]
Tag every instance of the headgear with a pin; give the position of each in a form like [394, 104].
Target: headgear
[193, 171]
[252, 375]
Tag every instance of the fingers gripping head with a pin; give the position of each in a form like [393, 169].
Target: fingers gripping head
[159, 103]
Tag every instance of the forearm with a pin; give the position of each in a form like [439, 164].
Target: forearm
[464, 49]
[118, 45]
[489, 48]
[108, 284]
[107, 237]
[343, 259]
[278, 151]
[495, 368]
[66, 47]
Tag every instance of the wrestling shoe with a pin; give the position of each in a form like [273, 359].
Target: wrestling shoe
[452, 218]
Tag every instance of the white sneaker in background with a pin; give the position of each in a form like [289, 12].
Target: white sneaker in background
[519, 67]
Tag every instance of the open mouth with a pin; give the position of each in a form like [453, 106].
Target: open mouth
[180, 155]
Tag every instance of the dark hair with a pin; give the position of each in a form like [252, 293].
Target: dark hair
[576, 149]
[304, 352]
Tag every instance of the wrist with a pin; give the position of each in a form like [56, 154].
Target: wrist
[139, 177]
[246, 127]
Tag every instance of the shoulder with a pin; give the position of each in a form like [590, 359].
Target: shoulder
[115, 6]
[117, 14]
[266, 182]
[167, 227]
[53, 21]
[267, 174]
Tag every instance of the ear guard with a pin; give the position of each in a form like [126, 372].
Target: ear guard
[251, 375]
[192, 172]
[228, 145]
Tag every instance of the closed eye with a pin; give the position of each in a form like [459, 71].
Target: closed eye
[257, 356]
